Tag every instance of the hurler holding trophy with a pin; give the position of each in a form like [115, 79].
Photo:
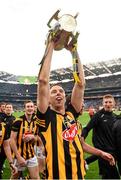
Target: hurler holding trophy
[58, 125]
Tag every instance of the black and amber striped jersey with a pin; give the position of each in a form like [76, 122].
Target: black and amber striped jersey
[22, 126]
[8, 120]
[4, 135]
[63, 149]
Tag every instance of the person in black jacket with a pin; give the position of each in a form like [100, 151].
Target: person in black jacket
[102, 138]
[7, 118]
[117, 137]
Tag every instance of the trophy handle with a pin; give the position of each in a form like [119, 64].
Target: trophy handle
[76, 15]
[55, 16]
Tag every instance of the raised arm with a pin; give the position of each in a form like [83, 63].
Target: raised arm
[43, 80]
[78, 89]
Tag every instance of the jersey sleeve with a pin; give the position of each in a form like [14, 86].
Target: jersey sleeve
[7, 135]
[16, 125]
[43, 119]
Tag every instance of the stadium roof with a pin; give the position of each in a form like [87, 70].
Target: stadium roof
[92, 70]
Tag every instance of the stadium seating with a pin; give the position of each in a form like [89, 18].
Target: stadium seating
[101, 78]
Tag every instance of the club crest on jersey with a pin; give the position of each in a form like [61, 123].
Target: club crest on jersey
[70, 133]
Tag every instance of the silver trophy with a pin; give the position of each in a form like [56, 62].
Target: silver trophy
[62, 33]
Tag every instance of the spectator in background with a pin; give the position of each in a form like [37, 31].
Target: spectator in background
[23, 139]
[91, 111]
[102, 124]
[7, 118]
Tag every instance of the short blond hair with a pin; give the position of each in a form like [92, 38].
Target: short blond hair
[108, 96]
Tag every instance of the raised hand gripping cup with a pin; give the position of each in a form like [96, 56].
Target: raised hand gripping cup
[62, 33]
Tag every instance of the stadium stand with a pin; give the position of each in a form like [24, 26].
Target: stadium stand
[101, 78]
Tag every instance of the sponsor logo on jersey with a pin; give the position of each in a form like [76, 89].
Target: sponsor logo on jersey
[70, 133]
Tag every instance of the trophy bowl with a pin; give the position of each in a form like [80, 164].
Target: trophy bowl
[63, 30]
[67, 22]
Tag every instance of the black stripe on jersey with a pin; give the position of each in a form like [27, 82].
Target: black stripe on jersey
[42, 138]
[44, 142]
[78, 161]
[22, 149]
[32, 150]
[68, 163]
[27, 150]
[20, 145]
[54, 150]
[23, 154]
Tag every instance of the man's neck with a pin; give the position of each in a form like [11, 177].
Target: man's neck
[58, 110]
[8, 114]
[28, 117]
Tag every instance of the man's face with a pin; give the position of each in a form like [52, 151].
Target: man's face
[8, 109]
[29, 108]
[2, 108]
[108, 104]
[57, 96]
